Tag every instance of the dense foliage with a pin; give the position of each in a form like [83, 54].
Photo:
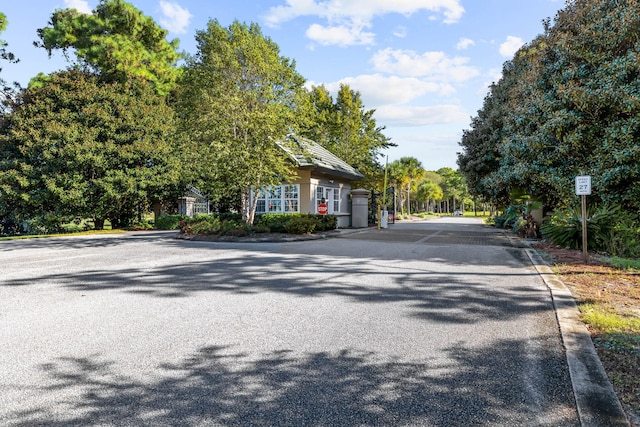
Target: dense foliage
[229, 225]
[344, 127]
[236, 99]
[126, 126]
[116, 41]
[417, 189]
[79, 147]
[7, 91]
[609, 230]
[567, 104]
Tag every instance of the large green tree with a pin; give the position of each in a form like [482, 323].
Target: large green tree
[403, 173]
[4, 53]
[79, 147]
[454, 187]
[429, 191]
[570, 105]
[346, 128]
[236, 99]
[7, 92]
[116, 41]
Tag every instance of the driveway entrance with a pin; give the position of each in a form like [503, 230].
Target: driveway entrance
[146, 330]
[443, 231]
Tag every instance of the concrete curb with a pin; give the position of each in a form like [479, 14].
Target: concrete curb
[596, 401]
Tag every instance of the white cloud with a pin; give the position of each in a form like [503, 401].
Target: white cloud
[176, 18]
[400, 32]
[395, 115]
[465, 43]
[429, 64]
[80, 5]
[377, 90]
[351, 16]
[511, 46]
[339, 35]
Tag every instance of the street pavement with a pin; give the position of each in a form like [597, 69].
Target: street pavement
[441, 323]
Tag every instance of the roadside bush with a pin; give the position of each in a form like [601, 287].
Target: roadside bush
[510, 216]
[141, 225]
[275, 222]
[330, 222]
[564, 227]
[623, 239]
[45, 224]
[235, 228]
[301, 225]
[169, 222]
[203, 224]
[518, 226]
[229, 216]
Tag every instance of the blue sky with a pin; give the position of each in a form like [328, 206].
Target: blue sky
[423, 65]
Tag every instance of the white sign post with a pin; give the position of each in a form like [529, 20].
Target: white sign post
[583, 189]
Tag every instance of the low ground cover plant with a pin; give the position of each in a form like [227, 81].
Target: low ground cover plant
[609, 230]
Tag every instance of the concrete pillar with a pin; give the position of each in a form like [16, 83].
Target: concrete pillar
[187, 205]
[360, 208]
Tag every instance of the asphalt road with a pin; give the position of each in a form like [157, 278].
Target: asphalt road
[441, 325]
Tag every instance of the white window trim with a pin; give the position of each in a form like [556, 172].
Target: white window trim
[282, 200]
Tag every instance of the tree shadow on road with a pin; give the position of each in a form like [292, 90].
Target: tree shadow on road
[442, 296]
[217, 386]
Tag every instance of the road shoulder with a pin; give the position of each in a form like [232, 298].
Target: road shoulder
[596, 400]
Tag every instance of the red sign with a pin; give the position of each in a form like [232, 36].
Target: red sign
[323, 209]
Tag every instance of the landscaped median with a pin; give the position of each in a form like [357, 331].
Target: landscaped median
[231, 226]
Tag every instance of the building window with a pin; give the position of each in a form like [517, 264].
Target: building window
[291, 198]
[278, 198]
[274, 198]
[336, 200]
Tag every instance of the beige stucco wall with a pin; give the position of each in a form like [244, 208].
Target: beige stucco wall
[309, 182]
[306, 195]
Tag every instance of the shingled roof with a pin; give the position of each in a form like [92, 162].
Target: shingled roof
[309, 154]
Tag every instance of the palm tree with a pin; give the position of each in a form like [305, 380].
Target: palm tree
[396, 174]
[413, 171]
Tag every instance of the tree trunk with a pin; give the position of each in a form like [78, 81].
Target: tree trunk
[98, 223]
[249, 205]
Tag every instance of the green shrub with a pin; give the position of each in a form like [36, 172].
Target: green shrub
[169, 222]
[301, 225]
[275, 222]
[141, 225]
[326, 222]
[229, 216]
[202, 225]
[510, 216]
[564, 227]
[235, 228]
[518, 226]
[623, 239]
